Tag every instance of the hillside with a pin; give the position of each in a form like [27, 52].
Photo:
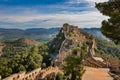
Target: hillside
[17, 46]
[97, 52]
[96, 32]
[22, 55]
[72, 41]
[70, 37]
[108, 48]
[27, 41]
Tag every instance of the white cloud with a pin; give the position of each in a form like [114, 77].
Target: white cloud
[86, 19]
[26, 17]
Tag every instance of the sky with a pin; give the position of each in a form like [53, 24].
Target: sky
[25, 14]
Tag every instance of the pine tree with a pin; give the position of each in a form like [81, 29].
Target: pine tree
[111, 27]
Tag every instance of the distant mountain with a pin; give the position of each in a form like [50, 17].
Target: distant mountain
[95, 32]
[40, 34]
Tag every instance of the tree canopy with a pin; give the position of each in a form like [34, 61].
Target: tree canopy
[74, 65]
[111, 27]
[16, 58]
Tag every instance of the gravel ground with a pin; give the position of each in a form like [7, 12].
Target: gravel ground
[96, 74]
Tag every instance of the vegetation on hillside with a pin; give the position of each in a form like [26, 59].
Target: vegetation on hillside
[73, 65]
[107, 49]
[18, 57]
[55, 44]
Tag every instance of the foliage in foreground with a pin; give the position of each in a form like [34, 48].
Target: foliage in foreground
[111, 28]
[73, 65]
[18, 57]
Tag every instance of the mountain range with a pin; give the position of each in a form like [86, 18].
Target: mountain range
[40, 34]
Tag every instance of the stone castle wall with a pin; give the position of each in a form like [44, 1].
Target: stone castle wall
[37, 74]
[24, 76]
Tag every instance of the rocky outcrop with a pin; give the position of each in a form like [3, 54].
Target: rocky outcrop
[76, 38]
[73, 39]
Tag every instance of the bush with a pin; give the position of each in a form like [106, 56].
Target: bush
[65, 25]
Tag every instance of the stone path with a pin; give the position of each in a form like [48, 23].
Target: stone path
[96, 74]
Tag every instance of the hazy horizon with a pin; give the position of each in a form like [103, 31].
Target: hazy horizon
[49, 28]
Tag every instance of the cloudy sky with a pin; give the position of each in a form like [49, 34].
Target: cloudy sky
[49, 13]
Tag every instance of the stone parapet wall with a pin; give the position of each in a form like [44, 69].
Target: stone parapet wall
[37, 74]
[24, 76]
[50, 70]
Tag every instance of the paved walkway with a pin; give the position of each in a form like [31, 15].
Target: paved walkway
[96, 74]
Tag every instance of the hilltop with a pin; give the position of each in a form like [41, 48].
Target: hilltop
[71, 39]
[24, 54]
[27, 41]
[67, 39]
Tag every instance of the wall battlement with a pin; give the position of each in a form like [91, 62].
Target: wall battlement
[37, 74]
[24, 76]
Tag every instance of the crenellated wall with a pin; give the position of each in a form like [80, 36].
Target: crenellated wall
[24, 76]
[46, 72]
[37, 74]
